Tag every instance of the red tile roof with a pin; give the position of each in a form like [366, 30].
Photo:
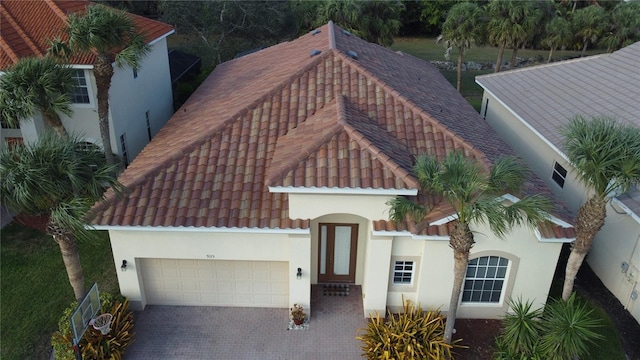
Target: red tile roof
[27, 26]
[282, 117]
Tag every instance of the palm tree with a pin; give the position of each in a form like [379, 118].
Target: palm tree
[605, 156]
[36, 85]
[474, 194]
[512, 24]
[112, 36]
[464, 26]
[625, 26]
[589, 23]
[376, 21]
[58, 178]
[558, 34]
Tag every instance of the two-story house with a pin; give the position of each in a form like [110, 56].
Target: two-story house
[528, 107]
[140, 101]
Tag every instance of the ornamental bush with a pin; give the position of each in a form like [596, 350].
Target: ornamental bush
[562, 332]
[94, 345]
[412, 334]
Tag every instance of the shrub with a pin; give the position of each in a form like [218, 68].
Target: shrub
[521, 333]
[93, 344]
[568, 328]
[561, 332]
[412, 334]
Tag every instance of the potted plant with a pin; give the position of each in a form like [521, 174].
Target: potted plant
[297, 314]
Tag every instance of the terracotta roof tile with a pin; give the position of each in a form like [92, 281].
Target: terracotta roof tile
[27, 26]
[280, 117]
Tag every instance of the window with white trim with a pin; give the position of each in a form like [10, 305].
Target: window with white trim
[80, 93]
[559, 174]
[485, 279]
[403, 272]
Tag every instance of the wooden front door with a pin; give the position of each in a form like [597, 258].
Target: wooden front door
[337, 252]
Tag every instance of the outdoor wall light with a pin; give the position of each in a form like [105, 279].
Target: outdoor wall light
[299, 274]
[123, 267]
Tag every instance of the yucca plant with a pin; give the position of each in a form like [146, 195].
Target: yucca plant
[112, 345]
[62, 340]
[567, 329]
[412, 334]
[521, 334]
[562, 332]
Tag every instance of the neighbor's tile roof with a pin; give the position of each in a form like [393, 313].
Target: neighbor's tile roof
[27, 26]
[281, 117]
[546, 97]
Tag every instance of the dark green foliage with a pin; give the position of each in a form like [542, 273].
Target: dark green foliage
[94, 345]
[563, 331]
[412, 334]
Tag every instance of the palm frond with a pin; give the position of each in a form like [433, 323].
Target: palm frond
[506, 175]
[603, 153]
[401, 207]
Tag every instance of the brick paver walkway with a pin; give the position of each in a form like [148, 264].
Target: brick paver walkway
[182, 332]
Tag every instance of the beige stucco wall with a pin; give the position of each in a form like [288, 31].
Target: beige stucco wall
[531, 270]
[133, 245]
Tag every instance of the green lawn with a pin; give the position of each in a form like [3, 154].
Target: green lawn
[35, 288]
[427, 49]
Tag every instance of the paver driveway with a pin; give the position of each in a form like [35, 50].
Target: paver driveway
[183, 332]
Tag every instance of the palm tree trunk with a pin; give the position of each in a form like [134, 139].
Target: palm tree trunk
[103, 71]
[514, 55]
[499, 60]
[551, 54]
[461, 241]
[590, 219]
[584, 48]
[71, 258]
[459, 81]
[53, 120]
[461, 260]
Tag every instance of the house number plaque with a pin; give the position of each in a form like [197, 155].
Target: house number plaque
[211, 256]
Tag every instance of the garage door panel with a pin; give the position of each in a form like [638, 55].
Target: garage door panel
[216, 282]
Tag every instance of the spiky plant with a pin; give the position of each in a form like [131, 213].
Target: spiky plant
[567, 329]
[521, 334]
[412, 334]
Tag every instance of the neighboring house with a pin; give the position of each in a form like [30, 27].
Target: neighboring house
[140, 101]
[282, 163]
[528, 107]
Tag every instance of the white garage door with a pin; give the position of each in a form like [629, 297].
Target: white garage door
[216, 282]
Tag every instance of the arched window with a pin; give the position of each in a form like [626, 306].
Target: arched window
[485, 279]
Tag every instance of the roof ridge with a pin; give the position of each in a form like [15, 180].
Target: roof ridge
[480, 155]
[332, 36]
[27, 39]
[368, 145]
[540, 66]
[278, 168]
[53, 6]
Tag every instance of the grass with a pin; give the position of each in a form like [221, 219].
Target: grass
[427, 49]
[610, 347]
[35, 288]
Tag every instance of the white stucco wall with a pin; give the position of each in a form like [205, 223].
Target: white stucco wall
[618, 243]
[133, 245]
[131, 98]
[537, 154]
[614, 243]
